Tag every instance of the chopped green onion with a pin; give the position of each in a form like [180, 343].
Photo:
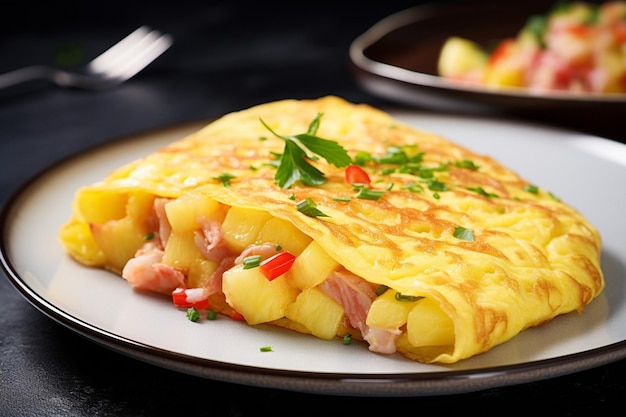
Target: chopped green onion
[266, 349]
[381, 289]
[401, 297]
[211, 315]
[193, 314]
[481, 191]
[463, 234]
[466, 163]
[342, 199]
[251, 261]
[413, 187]
[148, 236]
[435, 185]
[368, 194]
[308, 207]
[531, 189]
[347, 339]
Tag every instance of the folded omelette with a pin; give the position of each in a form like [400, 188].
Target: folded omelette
[334, 219]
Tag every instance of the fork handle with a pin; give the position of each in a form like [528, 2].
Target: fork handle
[25, 74]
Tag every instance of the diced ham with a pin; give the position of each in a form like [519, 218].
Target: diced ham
[353, 293]
[382, 340]
[146, 271]
[210, 240]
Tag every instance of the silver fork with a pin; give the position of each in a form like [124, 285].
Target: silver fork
[114, 66]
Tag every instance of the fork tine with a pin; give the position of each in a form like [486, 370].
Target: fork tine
[109, 57]
[151, 47]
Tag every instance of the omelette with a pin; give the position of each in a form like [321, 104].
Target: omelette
[334, 219]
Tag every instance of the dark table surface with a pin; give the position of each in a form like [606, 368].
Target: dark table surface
[226, 56]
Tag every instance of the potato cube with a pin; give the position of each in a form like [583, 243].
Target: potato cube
[311, 267]
[119, 240]
[181, 250]
[460, 56]
[318, 312]
[241, 226]
[184, 212]
[428, 325]
[386, 312]
[254, 296]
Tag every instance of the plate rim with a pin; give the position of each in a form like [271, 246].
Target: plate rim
[405, 384]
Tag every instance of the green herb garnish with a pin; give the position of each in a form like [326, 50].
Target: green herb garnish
[481, 191]
[347, 339]
[402, 297]
[251, 261]
[531, 189]
[193, 314]
[265, 349]
[369, 194]
[299, 149]
[308, 207]
[463, 234]
[225, 178]
[381, 289]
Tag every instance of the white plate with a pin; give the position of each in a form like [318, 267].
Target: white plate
[585, 171]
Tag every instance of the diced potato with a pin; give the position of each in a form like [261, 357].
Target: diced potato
[99, 206]
[254, 296]
[181, 250]
[285, 234]
[428, 325]
[242, 226]
[318, 312]
[119, 240]
[386, 312]
[184, 212]
[199, 272]
[460, 56]
[311, 267]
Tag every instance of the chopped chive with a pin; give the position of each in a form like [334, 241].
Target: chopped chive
[466, 163]
[342, 199]
[402, 297]
[308, 207]
[193, 314]
[251, 261]
[481, 191]
[347, 339]
[368, 194]
[381, 289]
[265, 349]
[149, 236]
[531, 189]
[463, 234]
[211, 315]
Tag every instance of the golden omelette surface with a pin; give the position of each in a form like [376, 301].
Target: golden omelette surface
[533, 257]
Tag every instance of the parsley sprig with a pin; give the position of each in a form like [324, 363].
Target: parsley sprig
[299, 149]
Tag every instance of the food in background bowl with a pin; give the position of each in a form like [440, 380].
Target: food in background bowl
[575, 47]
